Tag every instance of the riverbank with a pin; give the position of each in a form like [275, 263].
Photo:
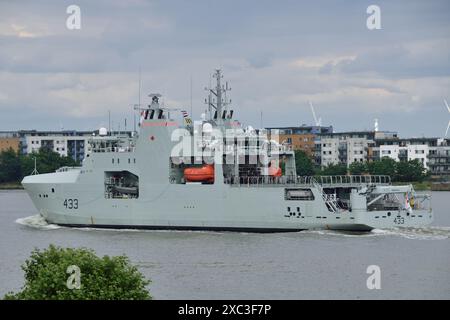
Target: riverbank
[418, 186]
[11, 186]
[440, 186]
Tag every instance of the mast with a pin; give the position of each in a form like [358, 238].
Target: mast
[220, 102]
[218, 76]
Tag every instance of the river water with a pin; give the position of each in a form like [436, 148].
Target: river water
[414, 263]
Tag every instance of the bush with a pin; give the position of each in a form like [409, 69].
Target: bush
[107, 278]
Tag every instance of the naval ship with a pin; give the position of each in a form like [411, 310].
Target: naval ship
[143, 181]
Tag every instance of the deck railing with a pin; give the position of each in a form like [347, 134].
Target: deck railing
[353, 179]
[324, 181]
[65, 169]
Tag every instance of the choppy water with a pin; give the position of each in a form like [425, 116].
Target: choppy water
[414, 262]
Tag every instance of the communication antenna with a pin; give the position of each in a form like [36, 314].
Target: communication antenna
[109, 120]
[448, 126]
[261, 120]
[35, 168]
[317, 121]
[139, 90]
[191, 94]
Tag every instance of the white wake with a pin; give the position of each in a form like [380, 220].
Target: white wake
[38, 222]
[426, 233]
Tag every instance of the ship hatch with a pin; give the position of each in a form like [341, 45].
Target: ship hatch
[121, 185]
[298, 194]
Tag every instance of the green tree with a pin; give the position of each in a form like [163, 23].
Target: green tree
[107, 278]
[46, 161]
[303, 163]
[385, 166]
[412, 170]
[334, 170]
[10, 169]
[357, 168]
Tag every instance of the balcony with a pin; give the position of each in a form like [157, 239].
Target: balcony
[439, 155]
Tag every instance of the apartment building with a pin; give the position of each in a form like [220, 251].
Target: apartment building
[344, 147]
[406, 149]
[302, 137]
[9, 140]
[439, 159]
[68, 143]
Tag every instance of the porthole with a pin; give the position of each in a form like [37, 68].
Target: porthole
[389, 214]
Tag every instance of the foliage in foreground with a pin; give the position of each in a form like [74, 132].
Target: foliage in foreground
[104, 278]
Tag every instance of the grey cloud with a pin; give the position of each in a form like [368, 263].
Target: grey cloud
[399, 61]
[398, 74]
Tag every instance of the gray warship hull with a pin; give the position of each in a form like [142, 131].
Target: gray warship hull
[137, 183]
[232, 208]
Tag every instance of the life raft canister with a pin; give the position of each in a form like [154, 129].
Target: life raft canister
[202, 174]
[275, 171]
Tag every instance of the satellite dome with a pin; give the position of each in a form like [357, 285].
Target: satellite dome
[207, 127]
[103, 132]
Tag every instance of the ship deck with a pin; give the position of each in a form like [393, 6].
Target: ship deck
[310, 181]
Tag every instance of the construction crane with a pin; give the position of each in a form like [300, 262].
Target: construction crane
[317, 121]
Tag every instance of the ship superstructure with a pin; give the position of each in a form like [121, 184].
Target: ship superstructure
[213, 174]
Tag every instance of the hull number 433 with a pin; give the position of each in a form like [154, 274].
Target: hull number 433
[71, 203]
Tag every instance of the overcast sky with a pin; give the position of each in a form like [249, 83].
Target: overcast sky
[276, 55]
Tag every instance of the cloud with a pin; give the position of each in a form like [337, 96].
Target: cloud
[417, 59]
[276, 57]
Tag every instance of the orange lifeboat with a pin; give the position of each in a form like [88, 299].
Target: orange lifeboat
[202, 174]
[275, 171]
